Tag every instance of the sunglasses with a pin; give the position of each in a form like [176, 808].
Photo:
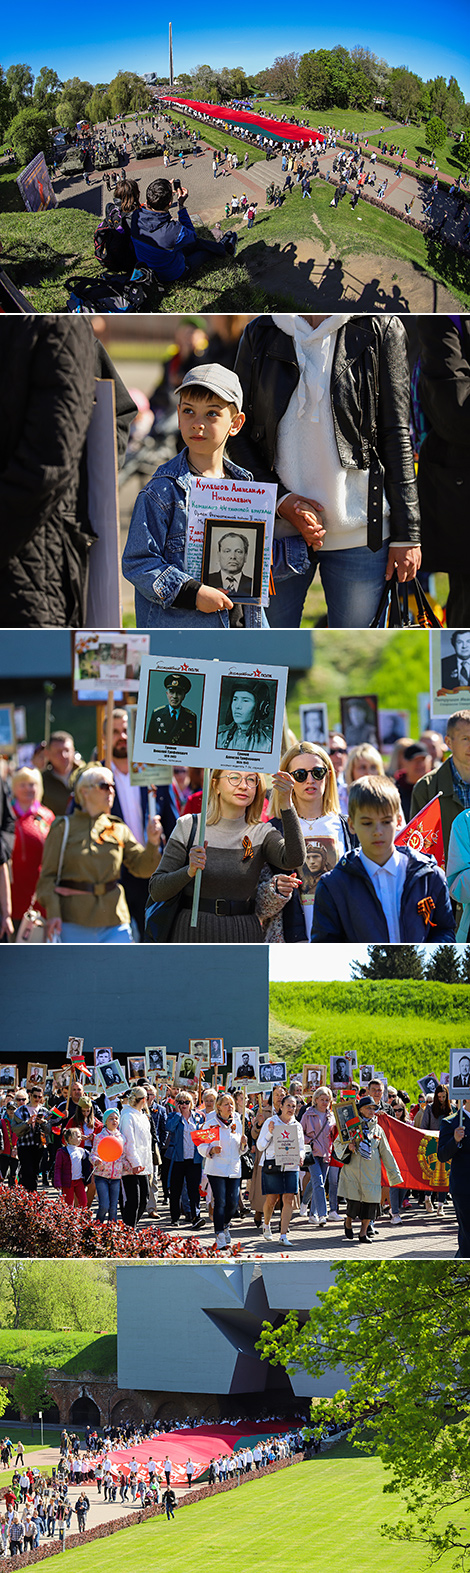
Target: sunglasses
[317, 772]
[105, 786]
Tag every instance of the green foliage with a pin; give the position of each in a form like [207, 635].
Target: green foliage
[403, 1337]
[463, 150]
[387, 662]
[404, 1028]
[58, 1295]
[394, 961]
[30, 1388]
[29, 134]
[72, 1353]
[435, 133]
[20, 85]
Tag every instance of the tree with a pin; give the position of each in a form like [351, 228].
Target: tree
[29, 134]
[284, 77]
[435, 133]
[463, 150]
[30, 1388]
[391, 961]
[20, 81]
[50, 1296]
[403, 93]
[403, 1337]
[5, 103]
[444, 965]
[73, 101]
[46, 89]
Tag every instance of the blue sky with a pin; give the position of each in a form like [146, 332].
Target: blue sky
[316, 963]
[53, 38]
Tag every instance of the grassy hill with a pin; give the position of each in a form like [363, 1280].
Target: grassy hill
[329, 1508]
[403, 1028]
[71, 1353]
[394, 664]
[374, 124]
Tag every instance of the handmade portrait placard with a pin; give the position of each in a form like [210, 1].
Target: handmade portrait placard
[459, 1073]
[210, 713]
[136, 1066]
[155, 1060]
[111, 1077]
[340, 1070]
[247, 505]
[366, 1074]
[429, 1083]
[232, 559]
[102, 1057]
[107, 661]
[286, 1146]
[75, 1048]
[314, 724]
[217, 1052]
[8, 1076]
[61, 1079]
[314, 1076]
[449, 670]
[140, 774]
[359, 720]
[200, 1049]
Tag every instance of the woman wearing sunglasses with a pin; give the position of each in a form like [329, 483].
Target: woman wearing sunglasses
[287, 899]
[237, 846]
[83, 856]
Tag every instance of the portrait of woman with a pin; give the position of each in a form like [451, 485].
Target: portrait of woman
[246, 709]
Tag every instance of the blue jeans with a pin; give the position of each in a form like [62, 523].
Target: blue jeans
[77, 934]
[396, 1194]
[226, 1193]
[318, 1172]
[352, 580]
[108, 1196]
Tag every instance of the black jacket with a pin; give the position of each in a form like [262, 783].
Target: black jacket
[370, 398]
[444, 460]
[48, 367]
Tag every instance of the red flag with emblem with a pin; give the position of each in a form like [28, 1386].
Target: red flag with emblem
[415, 1152]
[424, 832]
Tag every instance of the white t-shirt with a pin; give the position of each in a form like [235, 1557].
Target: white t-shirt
[131, 807]
[327, 834]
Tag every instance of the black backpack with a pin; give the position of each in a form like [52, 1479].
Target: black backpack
[113, 292]
[112, 241]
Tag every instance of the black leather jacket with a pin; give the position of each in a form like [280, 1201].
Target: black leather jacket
[370, 395]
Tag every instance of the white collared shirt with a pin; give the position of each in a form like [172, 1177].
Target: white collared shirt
[388, 880]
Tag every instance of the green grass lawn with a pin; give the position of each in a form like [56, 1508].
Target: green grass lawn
[329, 1510]
[389, 663]
[405, 1029]
[375, 125]
[214, 137]
[70, 1352]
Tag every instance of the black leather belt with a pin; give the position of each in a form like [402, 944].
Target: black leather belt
[222, 908]
[74, 885]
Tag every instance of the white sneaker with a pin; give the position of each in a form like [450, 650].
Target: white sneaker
[318, 1223]
[228, 1237]
[284, 1239]
[313, 1218]
[428, 1204]
[303, 1210]
[267, 1232]
[395, 1218]
[440, 1209]
[334, 1217]
[220, 1241]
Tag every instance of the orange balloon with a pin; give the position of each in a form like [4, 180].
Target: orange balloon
[109, 1148]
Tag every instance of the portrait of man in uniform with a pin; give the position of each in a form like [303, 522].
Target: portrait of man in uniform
[174, 722]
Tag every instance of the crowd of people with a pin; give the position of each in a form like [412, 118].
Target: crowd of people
[83, 856]
[164, 1167]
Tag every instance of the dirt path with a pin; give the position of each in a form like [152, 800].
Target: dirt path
[370, 281]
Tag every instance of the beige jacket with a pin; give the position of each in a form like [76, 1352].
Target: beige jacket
[94, 854]
[361, 1179]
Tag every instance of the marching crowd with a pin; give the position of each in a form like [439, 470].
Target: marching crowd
[82, 856]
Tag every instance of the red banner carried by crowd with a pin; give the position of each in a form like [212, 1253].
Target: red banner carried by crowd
[424, 832]
[415, 1152]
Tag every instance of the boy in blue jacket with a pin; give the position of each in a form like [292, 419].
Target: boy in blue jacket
[380, 892]
[210, 411]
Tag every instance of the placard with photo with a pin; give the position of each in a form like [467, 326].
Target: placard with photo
[245, 1065]
[359, 719]
[340, 1070]
[393, 724]
[61, 1079]
[136, 1067]
[155, 1060]
[459, 1073]
[428, 1083]
[272, 1072]
[36, 1077]
[366, 1074]
[8, 1077]
[232, 559]
[75, 1048]
[107, 661]
[210, 714]
[8, 736]
[217, 1052]
[111, 1077]
[450, 670]
[248, 505]
[314, 724]
[151, 776]
[186, 1069]
[428, 722]
[314, 1076]
[286, 1142]
[102, 1057]
[200, 1049]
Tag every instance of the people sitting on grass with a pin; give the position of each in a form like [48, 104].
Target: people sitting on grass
[170, 246]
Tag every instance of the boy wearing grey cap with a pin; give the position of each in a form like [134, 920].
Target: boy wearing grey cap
[209, 412]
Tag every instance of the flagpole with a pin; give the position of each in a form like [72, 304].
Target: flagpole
[200, 843]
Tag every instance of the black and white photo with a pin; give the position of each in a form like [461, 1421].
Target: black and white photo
[359, 720]
[232, 559]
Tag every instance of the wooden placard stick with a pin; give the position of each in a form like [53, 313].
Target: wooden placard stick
[200, 843]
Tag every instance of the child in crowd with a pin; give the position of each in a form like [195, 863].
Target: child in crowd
[380, 892]
[72, 1169]
[209, 412]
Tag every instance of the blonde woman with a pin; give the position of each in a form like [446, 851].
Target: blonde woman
[137, 1161]
[326, 834]
[363, 760]
[88, 905]
[237, 845]
[222, 1165]
[32, 825]
[279, 1179]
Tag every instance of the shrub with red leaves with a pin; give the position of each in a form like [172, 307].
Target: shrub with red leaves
[33, 1225]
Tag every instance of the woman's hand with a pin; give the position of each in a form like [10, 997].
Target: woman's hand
[307, 517]
[214, 1151]
[139, 1170]
[54, 926]
[284, 785]
[406, 560]
[197, 859]
[154, 831]
[271, 1126]
[286, 883]
[211, 600]
[352, 1146]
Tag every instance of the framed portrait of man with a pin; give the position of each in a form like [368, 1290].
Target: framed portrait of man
[272, 1072]
[459, 1073]
[136, 1066]
[314, 724]
[314, 1076]
[428, 1083]
[245, 1065]
[359, 719]
[232, 558]
[186, 1069]
[366, 1074]
[340, 1070]
[75, 1048]
[102, 1057]
[112, 1079]
[155, 1059]
[217, 1051]
[36, 1077]
[8, 1077]
[392, 725]
[200, 1049]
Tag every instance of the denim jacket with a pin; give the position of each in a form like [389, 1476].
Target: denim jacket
[154, 556]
